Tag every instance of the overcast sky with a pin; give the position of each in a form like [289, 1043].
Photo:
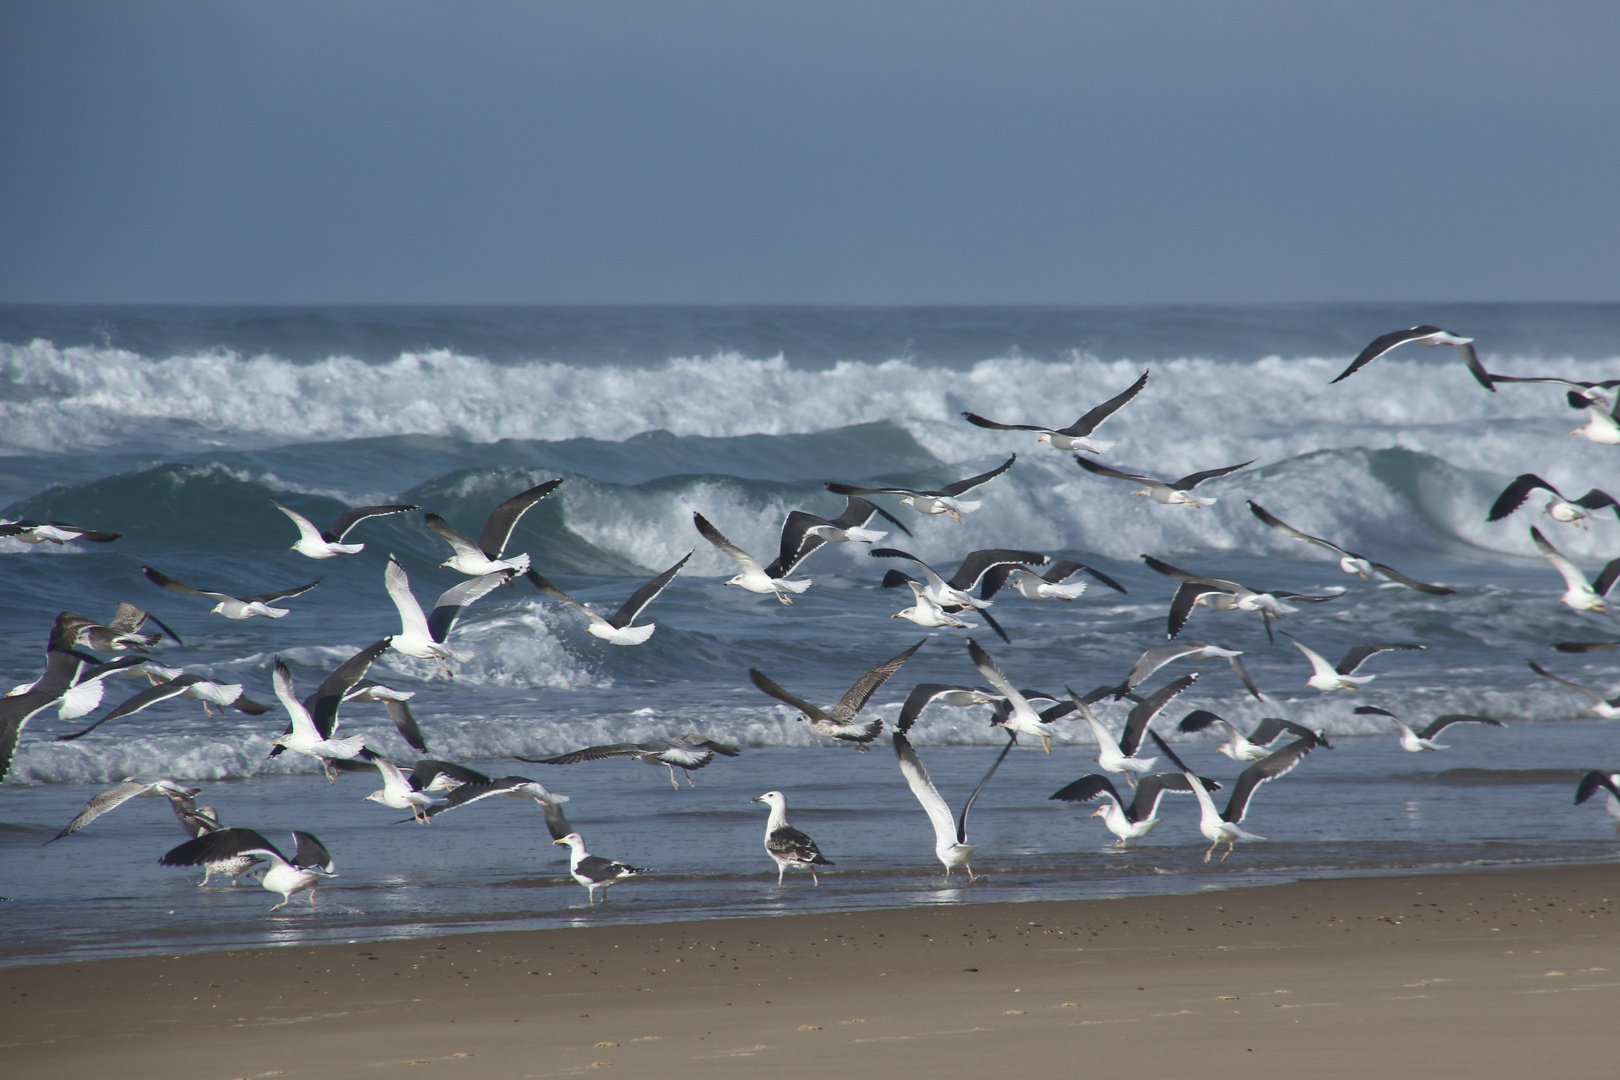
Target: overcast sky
[867, 152]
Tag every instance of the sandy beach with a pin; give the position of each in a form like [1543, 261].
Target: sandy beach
[1488, 974]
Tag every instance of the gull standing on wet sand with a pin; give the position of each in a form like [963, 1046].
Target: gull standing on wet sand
[789, 847]
[309, 864]
[593, 872]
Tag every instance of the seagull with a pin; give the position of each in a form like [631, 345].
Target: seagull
[941, 501]
[840, 723]
[327, 544]
[686, 752]
[79, 677]
[753, 577]
[313, 731]
[1608, 781]
[592, 872]
[1256, 744]
[485, 557]
[1157, 657]
[925, 612]
[1349, 561]
[422, 636]
[309, 864]
[335, 689]
[468, 786]
[804, 532]
[120, 635]
[1608, 708]
[63, 668]
[1020, 717]
[1568, 511]
[1422, 335]
[1121, 756]
[1219, 594]
[786, 845]
[616, 630]
[950, 837]
[1415, 742]
[1077, 435]
[956, 592]
[55, 532]
[1225, 827]
[1174, 492]
[1047, 586]
[200, 820]
[1603, 424]
[197, 687]
[181, 800]
[1327, 678]
[950, 693]
[399, 792]
[1127, 822]
[1578, 595]
[230, 606]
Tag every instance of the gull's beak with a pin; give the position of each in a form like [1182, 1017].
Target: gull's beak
[1040, 438]
[1096, 813]
[554, 843]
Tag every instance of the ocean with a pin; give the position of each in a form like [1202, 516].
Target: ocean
[175, 427]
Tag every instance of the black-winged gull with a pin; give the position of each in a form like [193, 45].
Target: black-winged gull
[1077, 436]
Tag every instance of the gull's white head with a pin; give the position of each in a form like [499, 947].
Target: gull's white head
[770, 798]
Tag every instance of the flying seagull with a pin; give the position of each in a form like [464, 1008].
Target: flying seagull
[840, 722]
[1077, 435]
[1121, 756]
[233, 607]
[941, 501]
[804, 532]
[314, 730]
[684, 752]
[1136, 820]
[787, 846]
[422, 636]
[753, 577]
[1225, 827]
[328, 543]
[1421, 335]
[592, 872]
[467, 786]
[1219, 594]
[1157, 657]
[1044, 586]
[1257, 743]
[1020, 717]
[1326, 678]
[120, 635]
[615, 629]
[1608, 781]
[950, 836]
[181, 800]
[399, 792]
[957, 592]
[487, 556]
[1168, 493]
[1349, 561]
[198, 687]
[1608, 708]
[950, 693]
[309, 864]
[54, 532]
[1602, 424]
[1578, 595]
[1415, 742]
[1568, 511]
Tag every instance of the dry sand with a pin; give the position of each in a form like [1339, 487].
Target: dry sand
[1490, 974]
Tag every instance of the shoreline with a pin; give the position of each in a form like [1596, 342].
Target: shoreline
[1498, 970]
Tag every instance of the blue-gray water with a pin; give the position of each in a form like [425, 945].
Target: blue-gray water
[175, 427]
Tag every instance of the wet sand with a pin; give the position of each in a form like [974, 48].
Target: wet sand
[1489, 974]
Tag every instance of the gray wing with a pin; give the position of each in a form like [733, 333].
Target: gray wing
[1063, 568]
[1270, 728]
[1142, 715]
[762, 681]
[790, 843]
[1088, 423]
[1288, 530]
[1593, 780]
[796, 542]
[219, 845]
[451, 601]
[310, 853]
[921, 695]
[1383, 344]
[1150, 789]
[15, 712]
[504, 518]
[961, 822]
[644, 595]
[1088, 788]
[348, 520]
[1103, 470]
[1440, 723]
[1358, 655]
[447, 532]
[148, 697]
[1515, 493]
[323, 704]
[1270, 767]
[592, 753]
[974, 481]
[281, 594]
[159, 578]
[1182, 604]
[1192, 480]
[850, 705]
[427, 770]
[1412, 583]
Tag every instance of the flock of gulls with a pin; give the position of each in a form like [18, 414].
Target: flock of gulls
[75, 680]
